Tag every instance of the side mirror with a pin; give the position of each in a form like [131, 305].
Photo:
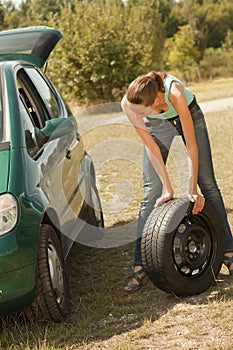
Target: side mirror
[53, 129]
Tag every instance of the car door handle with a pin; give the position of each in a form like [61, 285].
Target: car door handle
[68, 154]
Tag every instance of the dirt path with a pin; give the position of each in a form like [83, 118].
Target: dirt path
[102, 114]
[217, 105]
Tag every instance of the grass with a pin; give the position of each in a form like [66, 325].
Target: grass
[206, 91]
[102, 316]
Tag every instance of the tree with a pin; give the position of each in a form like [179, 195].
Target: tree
[145, 21]
[9, 15]
[2, 12]
[182, 55]
[217, 25]
[106, 45]
[41, 11]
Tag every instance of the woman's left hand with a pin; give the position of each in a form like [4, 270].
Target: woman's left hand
[199, 202]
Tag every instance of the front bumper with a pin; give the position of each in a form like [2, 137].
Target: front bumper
[17, 289]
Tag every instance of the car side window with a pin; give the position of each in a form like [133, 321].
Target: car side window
[29, 130]
[31, 99]
[47, 94]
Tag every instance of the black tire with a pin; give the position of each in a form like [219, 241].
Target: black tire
[52, 291]
[182, 253]
[94, 210]
[93, 230]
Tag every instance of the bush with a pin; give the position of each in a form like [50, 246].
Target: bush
[216, 63]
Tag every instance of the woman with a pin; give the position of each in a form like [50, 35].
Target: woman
[159, 106]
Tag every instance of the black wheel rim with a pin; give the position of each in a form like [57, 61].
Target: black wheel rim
[192, 246]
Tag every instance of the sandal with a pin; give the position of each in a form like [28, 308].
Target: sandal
[228, 261]
[133, 287]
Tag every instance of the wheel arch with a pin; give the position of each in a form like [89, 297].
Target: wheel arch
[51, 218]
[89, 179]
[89, 169]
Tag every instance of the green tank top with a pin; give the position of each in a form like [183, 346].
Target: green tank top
[171, 112]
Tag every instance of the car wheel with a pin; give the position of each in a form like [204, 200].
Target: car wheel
[51, 301]
[181, 252]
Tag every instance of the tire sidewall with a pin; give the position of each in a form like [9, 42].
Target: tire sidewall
[45, 305]
[52, 237]
[161, 266]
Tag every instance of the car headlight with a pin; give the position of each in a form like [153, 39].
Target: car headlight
[8, 213]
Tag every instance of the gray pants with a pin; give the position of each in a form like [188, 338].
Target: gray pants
[163, 132]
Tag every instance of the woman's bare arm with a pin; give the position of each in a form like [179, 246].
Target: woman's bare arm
[153, 152]
[178, 100]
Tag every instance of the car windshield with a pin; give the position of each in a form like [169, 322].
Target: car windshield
[31, 44]
[17, 47]
[23, 43]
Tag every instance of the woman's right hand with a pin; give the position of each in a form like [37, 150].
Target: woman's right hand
[164, 198]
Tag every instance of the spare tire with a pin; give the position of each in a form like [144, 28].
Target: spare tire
[182, 253]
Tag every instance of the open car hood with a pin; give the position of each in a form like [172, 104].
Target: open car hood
[30, 44]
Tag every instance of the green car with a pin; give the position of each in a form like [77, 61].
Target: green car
[48, 193]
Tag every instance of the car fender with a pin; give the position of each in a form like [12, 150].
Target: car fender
[50, 217]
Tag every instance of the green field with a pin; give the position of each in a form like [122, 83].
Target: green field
[102, 316]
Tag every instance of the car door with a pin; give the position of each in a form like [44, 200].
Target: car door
[63, 155]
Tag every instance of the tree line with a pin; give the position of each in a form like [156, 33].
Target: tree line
[107, 43]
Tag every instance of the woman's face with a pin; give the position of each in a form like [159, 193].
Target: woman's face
[141, 111]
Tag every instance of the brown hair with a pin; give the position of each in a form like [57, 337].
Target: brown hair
[144, 89]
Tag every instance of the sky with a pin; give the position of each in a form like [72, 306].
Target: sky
[16, 2]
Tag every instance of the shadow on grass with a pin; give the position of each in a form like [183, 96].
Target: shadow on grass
[99, 307]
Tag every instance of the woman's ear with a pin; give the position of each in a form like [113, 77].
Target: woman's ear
[156, 101]
[159, 98]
